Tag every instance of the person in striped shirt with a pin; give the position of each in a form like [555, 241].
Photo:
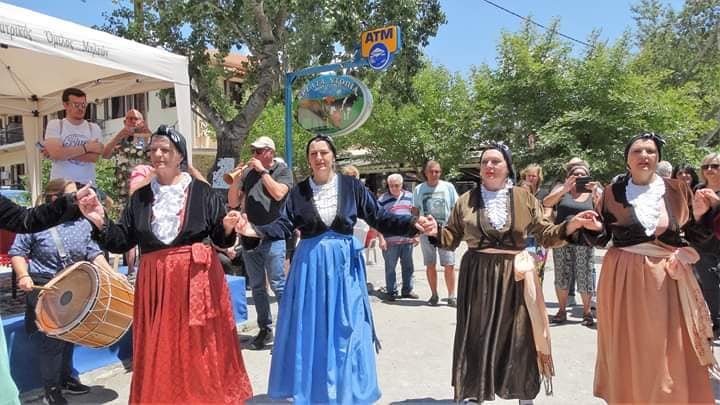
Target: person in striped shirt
[394, 248]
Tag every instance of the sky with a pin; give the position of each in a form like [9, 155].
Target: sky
[470, 36]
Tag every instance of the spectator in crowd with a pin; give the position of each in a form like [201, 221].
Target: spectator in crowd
[42, 250]
[72, 143]
[532, 175]
[129, 149]
[686, 173]
[664, 169]
[573, 261]
[531, 178]
[437, 198]
[263, 186]
[400, 202]
[707, 269]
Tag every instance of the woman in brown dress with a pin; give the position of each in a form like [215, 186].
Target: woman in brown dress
[501, 338]
[653, 326]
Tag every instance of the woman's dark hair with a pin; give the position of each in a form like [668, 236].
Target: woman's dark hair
[686, 168]
[318, 138]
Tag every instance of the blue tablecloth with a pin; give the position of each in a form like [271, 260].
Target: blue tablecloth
[23, 360]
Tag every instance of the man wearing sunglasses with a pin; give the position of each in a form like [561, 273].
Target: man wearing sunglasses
[72, 143]
[262, 188]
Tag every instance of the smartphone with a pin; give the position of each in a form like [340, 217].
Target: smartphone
[581, 184]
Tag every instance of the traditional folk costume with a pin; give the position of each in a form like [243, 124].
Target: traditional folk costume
[654, 329]
[185, 345]
[323, 351]
[502, 341]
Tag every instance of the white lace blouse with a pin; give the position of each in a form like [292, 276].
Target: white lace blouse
[647, 201]
[325, 199]
[168, 202]
[496, 203]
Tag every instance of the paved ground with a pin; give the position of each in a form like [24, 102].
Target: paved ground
[414, 365]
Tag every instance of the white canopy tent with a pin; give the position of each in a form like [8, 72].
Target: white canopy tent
[40, 56]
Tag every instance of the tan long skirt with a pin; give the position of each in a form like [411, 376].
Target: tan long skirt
[644, 354]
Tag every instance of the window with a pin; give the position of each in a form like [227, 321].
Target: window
[167, 98]
[116, 107]
[233, 90]
[16, 171]
[13, 131]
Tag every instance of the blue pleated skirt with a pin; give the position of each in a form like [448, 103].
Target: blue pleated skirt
[324, 345]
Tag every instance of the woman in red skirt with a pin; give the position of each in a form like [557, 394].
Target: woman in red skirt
[185, 345]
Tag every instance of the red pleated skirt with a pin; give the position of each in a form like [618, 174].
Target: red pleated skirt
[185, 343]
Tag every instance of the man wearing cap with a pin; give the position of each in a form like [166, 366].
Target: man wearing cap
[262, 188]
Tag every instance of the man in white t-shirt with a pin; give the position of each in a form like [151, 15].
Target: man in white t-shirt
[437, 198]
[73, 144]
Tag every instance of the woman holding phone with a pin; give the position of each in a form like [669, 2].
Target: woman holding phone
[573, 261]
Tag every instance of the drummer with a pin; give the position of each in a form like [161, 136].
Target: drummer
[42, 249]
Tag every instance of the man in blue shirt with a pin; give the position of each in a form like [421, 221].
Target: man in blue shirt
[437, 198]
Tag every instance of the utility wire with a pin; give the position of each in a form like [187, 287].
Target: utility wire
[536, 23]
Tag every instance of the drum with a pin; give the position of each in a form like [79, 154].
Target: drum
[87, 305]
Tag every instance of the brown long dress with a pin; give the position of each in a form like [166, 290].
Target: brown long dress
[644, 352]
[494, 352]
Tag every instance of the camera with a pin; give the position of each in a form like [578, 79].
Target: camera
[581, 184]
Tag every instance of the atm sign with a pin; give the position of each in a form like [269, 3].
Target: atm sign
[388, 36]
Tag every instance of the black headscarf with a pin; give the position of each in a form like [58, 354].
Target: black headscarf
[659, 142]
[175, 137]
[324, 138]
[507, 155]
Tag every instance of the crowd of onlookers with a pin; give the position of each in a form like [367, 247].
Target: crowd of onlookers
[574, 264]
[260, 190]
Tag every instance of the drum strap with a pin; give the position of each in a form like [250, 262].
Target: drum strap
[64, 258]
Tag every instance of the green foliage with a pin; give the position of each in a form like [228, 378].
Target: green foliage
[432, 127]
[684, 45]
[580, 106]
[104, 174]
[280, 35]
[271, 123]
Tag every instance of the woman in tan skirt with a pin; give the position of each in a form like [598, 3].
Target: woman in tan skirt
[654, 329]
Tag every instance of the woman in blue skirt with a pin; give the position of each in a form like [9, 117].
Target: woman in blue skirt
[324, 348]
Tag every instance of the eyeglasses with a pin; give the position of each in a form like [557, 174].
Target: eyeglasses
[394, 185]
[713, 166]
[79, 106]
[257, 151]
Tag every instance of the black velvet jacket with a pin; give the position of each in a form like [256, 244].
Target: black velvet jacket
[624, 229]
[203, 216]
[18, 219]
[354, 201]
